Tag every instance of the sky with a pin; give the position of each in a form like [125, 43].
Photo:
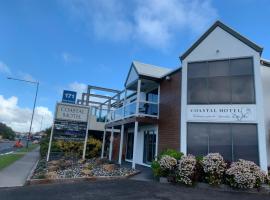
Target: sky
[68, 44]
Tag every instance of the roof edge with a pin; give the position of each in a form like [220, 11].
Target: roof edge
[265, 62]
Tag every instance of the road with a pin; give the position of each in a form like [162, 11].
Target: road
[6, 146]
[120, 190]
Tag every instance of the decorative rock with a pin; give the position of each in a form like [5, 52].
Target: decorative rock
[54, 162]
[51, 175]
[87, 172]
[109, 167]
[52, 168]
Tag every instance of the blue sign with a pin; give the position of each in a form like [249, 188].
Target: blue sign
[69, 97]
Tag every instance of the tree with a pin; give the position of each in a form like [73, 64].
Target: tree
[6, 132]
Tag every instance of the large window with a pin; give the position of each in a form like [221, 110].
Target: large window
[232, 141]
[221, 82]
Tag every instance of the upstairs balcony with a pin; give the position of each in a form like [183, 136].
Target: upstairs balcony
[140, 99]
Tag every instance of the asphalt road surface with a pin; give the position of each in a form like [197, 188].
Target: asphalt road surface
[6, 146]
[119, 190]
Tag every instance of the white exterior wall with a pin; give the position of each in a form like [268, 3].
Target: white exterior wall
[140, 142]
[265, 73]
[228, 47]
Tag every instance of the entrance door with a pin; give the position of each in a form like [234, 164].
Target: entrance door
[149, 151]
[130, 142]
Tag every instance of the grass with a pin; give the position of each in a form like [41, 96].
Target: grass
[6, 160]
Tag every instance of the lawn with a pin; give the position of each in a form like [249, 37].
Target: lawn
[6, 160]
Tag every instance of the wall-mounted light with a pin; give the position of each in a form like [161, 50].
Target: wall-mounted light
[217, 51]
[168, 78]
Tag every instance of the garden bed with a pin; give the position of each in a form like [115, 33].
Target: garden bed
[68, 170]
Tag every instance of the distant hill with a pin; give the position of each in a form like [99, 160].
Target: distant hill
[6, 132]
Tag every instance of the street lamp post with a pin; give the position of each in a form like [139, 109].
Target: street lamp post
[33, 111]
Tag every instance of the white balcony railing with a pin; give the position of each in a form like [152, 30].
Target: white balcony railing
[146, 108]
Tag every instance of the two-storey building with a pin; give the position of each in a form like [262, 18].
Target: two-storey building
[217, 101]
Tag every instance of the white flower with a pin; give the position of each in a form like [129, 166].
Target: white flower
[245, 174]
[167, 162]
[214, 167]
[186, 169]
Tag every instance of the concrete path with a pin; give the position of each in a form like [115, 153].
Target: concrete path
[17, 173]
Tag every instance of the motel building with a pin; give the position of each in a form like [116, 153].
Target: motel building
[217, 101]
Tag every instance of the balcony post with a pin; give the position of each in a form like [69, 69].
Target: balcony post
[124, 104]
[103, 143]
[121, 144]
[111, 144]
[108, 111]
[158, 100]
[138, 97]
[88, 95]
[135, 145]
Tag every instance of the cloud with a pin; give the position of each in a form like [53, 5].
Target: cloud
[152, 22]
[4, 68]
[19, 118]
[69, 58]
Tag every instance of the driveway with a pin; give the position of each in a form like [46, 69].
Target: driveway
[118, 190]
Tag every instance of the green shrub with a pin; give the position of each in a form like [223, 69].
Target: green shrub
[171, 152]
[156, 169]
[93, 147]
[44, 145]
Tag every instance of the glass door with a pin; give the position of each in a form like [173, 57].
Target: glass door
[130, 142]
[149, 151]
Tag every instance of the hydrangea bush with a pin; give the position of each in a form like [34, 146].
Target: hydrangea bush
[245, 174]
[214, 167]
[186, 170]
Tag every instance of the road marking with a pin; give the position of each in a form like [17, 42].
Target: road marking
[6, 153]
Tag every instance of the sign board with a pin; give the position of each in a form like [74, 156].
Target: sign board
[71, 122]
[72, 112]
[68, 130]
[69, 97]
[221, 113]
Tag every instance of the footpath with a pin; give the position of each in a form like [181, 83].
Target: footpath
[17, 173]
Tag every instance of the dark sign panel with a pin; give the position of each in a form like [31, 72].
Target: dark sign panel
[68, 130]
[69, 96]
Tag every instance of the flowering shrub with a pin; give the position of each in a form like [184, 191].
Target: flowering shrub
[186, 170]
[171, 152]
[214, 167]
[167, 162]
[245, 174]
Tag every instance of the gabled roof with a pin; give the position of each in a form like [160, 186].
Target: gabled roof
[148, 70]
[227, 29]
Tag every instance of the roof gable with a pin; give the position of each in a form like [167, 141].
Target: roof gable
[132, 75]
[228, 30]
[145, 70]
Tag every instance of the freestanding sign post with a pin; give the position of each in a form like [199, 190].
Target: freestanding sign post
[71, 122]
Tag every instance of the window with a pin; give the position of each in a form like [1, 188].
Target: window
[197, 138]
[197, 91]
[232, 141]
[245, 142]
[221, 82]
[149, 150]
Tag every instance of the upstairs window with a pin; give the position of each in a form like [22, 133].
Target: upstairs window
[221, 82]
